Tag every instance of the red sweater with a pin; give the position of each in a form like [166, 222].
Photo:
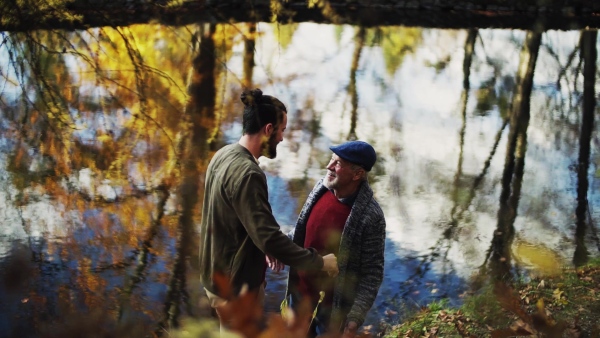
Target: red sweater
[323, 232]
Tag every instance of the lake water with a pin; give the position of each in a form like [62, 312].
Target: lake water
[93, 122]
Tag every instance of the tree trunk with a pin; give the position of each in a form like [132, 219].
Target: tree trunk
[200, 112]
[249, 44]
[464, 99]
[588, 50]
[514, 165]
[359, 43]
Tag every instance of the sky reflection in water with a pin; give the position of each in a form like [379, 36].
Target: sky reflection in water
[412, 116]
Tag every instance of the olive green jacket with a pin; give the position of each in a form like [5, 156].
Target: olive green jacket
[238, 227]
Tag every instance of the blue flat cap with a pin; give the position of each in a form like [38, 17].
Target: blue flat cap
[357, 152]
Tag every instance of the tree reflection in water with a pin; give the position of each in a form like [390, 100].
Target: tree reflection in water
[106, 133]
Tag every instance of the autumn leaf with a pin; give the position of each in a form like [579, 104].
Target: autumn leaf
[557, 294]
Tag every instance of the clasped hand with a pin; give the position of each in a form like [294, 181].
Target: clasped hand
[330, 265]
[274, 264]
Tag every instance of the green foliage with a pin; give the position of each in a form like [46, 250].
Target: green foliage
[439, 305]
[483, 308]
[436, 320]
[575, 296]
[564, 305]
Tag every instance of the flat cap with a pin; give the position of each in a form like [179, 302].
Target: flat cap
[357, 152]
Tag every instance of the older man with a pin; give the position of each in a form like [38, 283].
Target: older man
[341, 217]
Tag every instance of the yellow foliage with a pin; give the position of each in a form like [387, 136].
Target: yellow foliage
[142, 217]
[42, 10]
[396, 42]
[538, 257]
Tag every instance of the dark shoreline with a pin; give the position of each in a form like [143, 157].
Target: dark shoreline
[425, 13]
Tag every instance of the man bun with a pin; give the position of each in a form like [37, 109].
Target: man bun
[251, 97]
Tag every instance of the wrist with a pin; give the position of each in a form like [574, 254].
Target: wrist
[351, 325]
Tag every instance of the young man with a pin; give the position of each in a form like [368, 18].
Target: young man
[238, 227]
[341, 217]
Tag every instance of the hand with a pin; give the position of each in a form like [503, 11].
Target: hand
[274, 264]
[330, 265]
[350, 330]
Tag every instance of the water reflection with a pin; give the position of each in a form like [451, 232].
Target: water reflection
[106, 134]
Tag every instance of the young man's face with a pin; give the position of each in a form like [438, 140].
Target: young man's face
[275, 138]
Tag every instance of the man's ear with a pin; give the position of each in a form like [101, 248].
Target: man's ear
[269, 129]
[359, 174]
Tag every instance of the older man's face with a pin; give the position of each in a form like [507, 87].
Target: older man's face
[339, 173]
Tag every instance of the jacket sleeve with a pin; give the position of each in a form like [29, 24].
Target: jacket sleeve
[251, 203]
[371, 272]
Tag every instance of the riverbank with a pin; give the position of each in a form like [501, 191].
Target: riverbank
[562, 306]
[456, 14]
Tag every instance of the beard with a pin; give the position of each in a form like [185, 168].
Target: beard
[270, 147]
[330, 182]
